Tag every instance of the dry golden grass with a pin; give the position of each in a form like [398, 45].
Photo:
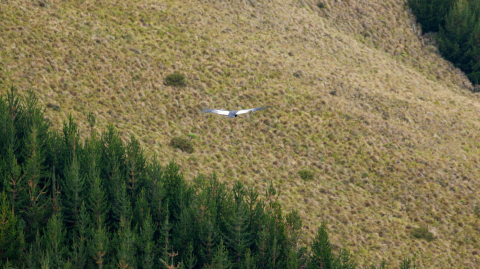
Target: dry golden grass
[401, 123]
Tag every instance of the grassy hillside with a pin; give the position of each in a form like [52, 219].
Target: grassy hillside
[357, 95]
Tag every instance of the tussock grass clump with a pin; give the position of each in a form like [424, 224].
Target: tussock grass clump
[305, 174]
[182, 143]
[423, 233]
[176, 79]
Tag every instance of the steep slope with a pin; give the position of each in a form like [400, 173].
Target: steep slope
[389, 129]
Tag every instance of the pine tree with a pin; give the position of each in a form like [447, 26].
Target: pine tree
[453, 38]
[14, 182]
[36, 188]
[321, 250]
[97, 200]
[122, 208]
[430, 13]
[292, 260]
[112, 158]
[474, 53]
[263, 248]
[294, 229]
[55, 240]
[141, 208]
[208, 237]
[220, 259]
[239, 237]
[154, 186]
[9, 234]
[73, 187]
[79, 254]
[165, 235]
[126, 249]
[190, 258]
[183, 230]
[99, 244]
[147, 243]
[249, 261]
[135, 165]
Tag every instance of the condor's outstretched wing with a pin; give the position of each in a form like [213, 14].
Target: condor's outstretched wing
[243, 111]
[216, 111]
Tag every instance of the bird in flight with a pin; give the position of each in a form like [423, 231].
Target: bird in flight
[234, 113]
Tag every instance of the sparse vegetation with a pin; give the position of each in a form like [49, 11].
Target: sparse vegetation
[175, 79]
[305, 174]
[182, 143]
[423, 233]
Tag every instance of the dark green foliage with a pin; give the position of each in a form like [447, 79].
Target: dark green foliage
[453, 38]
[100, 203]
[182, 143]
[72, 187]
[175, 79]
[430, 13]
[55, 246]
[422, 233]
[306, 174]
[220, 259]
[321, 5]
[98, 245]
[322, 256]
[190, 259]
[458, 25]
[126, 245]
[9, 234]
[146, 242]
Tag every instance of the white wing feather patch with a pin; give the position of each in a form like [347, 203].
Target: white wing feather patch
[216, 111]
[243, 111]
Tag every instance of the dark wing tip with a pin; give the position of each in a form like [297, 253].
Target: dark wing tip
[260, 108]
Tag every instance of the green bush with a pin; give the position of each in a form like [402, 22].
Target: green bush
[175, 79]
[306, 174]
[423, 233]
[182, 143]
[321, 5]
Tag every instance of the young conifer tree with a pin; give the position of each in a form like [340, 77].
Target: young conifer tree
[98, 245]
[122, 207]
[239, 237]
[454, 36]
[36, 186]
[73, 188]
[9, 234]
[126, 249]
[79, 254]
[321, 256]
[135, 164]
[221, 259]
[55, 240]
[97, 201]
[147, 242]
[190, 258]
[166, 244]
[141, 208]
